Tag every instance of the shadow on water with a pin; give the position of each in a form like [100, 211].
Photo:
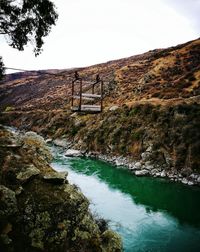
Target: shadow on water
[182, 202]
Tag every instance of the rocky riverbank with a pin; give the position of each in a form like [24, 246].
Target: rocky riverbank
[143, 167]
[151, 140]
[39, 209]
[146, 167]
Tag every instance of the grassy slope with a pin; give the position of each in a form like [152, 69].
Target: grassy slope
[158, 95]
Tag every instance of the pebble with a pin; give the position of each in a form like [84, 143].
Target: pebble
[61, 143]
[113, 108]
[157, 174]
[49, 140]
[163, 174]
[149, 167]
[73, 153]
[145, 156]
[141, 173]
[184, 181]
[137, 165]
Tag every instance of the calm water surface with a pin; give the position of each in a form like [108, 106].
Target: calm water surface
[150, 214]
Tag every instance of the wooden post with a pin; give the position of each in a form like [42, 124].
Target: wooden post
[101, 96]
[72, 94]
[93, 88]
[80, 103]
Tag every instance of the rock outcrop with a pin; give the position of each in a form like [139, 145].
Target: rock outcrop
[39, 209]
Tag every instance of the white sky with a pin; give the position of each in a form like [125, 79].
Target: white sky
[96, 31]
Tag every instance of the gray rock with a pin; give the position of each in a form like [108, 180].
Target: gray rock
[113, 108]
[61, 143]
[149, 167]
[157, 174]
[137, 165]
[147, 163]
[154, 171]
[190, 183]
[171, 175]
[145, 156]
[73, 153]
[27, 173]
[49, 140]
[141, 173]
[163, 174]
[120, 161]
[184, 181]
[194, 176]
[131, 166]
[56, 177]
[150, 148]
[92, 154]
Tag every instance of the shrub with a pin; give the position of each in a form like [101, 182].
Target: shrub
[134, 111]
[137, 135]
[9, 108]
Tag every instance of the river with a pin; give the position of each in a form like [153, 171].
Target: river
[150, 214]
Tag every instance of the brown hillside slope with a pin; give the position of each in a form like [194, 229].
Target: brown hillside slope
[158, 108]
[157, 75]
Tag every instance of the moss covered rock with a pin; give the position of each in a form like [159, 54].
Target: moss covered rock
[39, 209]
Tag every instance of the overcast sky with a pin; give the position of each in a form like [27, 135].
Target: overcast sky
[96, 31]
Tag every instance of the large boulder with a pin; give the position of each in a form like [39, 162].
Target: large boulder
[73, 153]
[142, 173]
[56, 177]
[61, 143]
[27, 173]
[37, 143]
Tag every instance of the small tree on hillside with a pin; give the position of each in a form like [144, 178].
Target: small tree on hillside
[24, 21]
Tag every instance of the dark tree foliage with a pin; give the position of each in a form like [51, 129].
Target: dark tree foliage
[24, 21]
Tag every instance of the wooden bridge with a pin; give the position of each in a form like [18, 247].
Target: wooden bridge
[87, 98]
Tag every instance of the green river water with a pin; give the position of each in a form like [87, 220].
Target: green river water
[150, 214]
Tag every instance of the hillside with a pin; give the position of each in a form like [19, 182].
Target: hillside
[151, 107]
[158, 76]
